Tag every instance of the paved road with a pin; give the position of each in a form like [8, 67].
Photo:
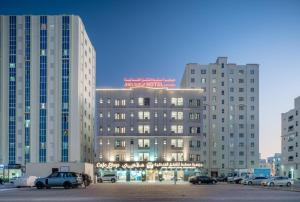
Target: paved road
[151, 192]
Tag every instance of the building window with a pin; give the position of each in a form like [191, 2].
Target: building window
[144, 143]
[177, 101]
[177, 115]
[192, 71]
[144, 101]
[144, 156]
[120, 116]
[194, 116]
[177, 129]
[144, 115]
[120, 144]
[119, 130]
[177, 156]
[176, 143]
[144, 129]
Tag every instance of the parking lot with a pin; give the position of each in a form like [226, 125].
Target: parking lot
[152, 192]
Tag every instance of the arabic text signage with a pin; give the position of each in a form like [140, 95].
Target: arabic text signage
[147, 165]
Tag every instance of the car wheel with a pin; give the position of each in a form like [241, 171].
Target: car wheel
[250, 183]
[100, 180]
[288, 184]
[113, 180]
[199, 182]
[272, 184]
[39, 185]
[67, 185]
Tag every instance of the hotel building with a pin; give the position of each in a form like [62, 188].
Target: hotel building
[290, 140]
[231, 113]
[149, 134]
[47, 85]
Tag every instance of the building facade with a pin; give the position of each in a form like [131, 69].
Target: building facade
[149, 133]
[272, 162]
[231, 114]
[289, 141]
[47, 84]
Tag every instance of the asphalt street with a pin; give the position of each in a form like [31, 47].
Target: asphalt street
[151, 192]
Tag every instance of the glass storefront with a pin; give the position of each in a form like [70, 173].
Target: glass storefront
[150, 175]
[149, 171]
[9, 172]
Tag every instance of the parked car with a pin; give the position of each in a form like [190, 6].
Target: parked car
[278, 181]
[238, 175]
[26, 181]
[59, 179]
[13, 179]
[202, 180]
[221, 179]
[107, 178]
[255, 180]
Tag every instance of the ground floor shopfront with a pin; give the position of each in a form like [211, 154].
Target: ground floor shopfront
[149, 171]
[8, 172]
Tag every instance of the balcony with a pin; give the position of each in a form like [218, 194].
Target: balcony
[291, 118]
[291, 128]
[291, 158]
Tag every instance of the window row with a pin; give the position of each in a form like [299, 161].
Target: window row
[145, 115]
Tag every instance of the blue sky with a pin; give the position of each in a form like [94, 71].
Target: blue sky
[151, 38]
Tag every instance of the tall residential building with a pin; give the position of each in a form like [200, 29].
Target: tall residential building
[47, 84]
[231, 114]
[149, 133]
[290, 141]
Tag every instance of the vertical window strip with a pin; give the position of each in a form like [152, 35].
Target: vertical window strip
[12, 92]
[43, 90]
[27, 88]
[65, 88]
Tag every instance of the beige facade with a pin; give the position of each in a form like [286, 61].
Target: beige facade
[290, 149]
[148, 125]
[231, 115]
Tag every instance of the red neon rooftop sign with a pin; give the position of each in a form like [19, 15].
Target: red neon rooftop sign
[149, 83]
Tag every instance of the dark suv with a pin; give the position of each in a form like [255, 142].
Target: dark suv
[202, 180]
[59, 179]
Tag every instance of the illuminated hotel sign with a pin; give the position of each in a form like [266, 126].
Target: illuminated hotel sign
[149, 83]
[147, 165]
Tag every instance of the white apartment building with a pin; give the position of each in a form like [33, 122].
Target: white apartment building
[47, 85]
[290, 150]
[149, 133]
[231, 114]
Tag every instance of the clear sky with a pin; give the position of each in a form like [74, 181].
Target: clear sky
[156, 38]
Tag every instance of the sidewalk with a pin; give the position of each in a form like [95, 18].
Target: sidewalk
[7, 186]
[152, 182]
